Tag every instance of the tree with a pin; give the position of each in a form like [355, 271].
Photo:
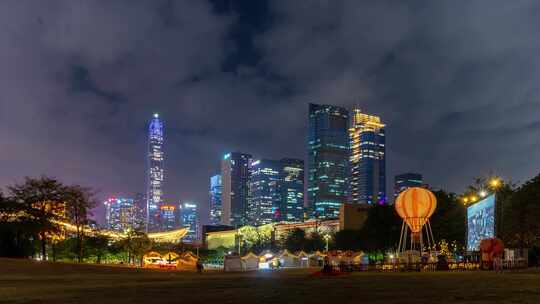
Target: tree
[137, 244]
[79, 202]
[449, 221]
[347, 240]
[295, 240]
[43, 203]
[315, 242]
[522, 216]
[97, 246]
[381, 230]
[17, 230]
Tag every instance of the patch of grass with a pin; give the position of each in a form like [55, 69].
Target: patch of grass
[23, 281]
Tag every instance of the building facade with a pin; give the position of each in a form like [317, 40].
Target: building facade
[235, 188]
[367, 159]
[155, 174]
[291, 190]
[328, 156]
[120, 214]
[215, 199]
[407, 180]
[190, 219]
[264, 193]
[169, 217]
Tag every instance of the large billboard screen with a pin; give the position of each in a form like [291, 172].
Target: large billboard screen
[480, 222]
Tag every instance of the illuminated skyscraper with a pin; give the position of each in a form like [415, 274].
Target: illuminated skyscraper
[155, 174]
[291, 190]
[190, 220]
[367, 159]
[215, 199]
[263, 191]
[120, 214]
[407, 180]
[235, 188]
[328, 153]
[169, 217]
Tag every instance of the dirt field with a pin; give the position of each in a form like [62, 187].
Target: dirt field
[24, 281]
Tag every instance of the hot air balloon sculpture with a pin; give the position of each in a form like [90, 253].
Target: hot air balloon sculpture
[415, 206]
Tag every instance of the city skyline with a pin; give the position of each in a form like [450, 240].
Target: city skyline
[75, 105]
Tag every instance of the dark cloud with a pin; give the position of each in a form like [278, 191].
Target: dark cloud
[456, 82]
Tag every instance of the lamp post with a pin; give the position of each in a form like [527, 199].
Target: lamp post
[327, 238]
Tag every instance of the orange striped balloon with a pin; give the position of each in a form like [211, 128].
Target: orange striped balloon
[416, 205]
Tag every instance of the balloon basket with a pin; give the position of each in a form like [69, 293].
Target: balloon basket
[414, 245]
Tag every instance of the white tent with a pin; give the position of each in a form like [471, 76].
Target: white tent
[288, 259]
[250, 261]
[232, 263]
[303, 259]
[317, 259]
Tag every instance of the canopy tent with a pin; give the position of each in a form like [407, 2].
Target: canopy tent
[358, 258]
[170, 259]
[266, 260]
[347, 257]
[152, 260]
[334, 257]
[187, 261]
[288, 259]
[316, 259]
[250, 261]
[303, 259]
[232, 263]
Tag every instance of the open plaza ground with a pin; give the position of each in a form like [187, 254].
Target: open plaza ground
[24, 281]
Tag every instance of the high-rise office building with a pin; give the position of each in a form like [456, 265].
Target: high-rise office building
[367, 159]
[263, 191]
[291, 190]
[235, 188]
[155, 174]
[328, 156]
[215, 199]
[190, 220]
[140, 211]
[120, 214]
[407, 180]
[169, 217]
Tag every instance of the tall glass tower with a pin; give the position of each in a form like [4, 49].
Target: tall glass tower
[235, 188]
[215, 199]
[328, 153]
[190, 220]
[154, 183]
[367, 159]
[291, 198]
[263, 191]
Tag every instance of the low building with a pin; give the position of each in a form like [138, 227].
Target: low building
[353, 216]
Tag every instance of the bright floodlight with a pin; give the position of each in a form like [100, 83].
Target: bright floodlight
[156, 115]
[495, 183]
[483, 193]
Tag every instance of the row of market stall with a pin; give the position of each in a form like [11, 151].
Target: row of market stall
[251, 261]
[287, 259]
[171, 260]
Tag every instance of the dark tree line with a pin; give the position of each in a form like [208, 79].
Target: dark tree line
[32, 213]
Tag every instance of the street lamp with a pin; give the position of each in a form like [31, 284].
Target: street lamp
[495, 183]
[327, 238]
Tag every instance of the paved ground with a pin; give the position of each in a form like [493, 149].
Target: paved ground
[32, 282]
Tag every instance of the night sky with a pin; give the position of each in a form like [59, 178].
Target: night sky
[457, 82]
